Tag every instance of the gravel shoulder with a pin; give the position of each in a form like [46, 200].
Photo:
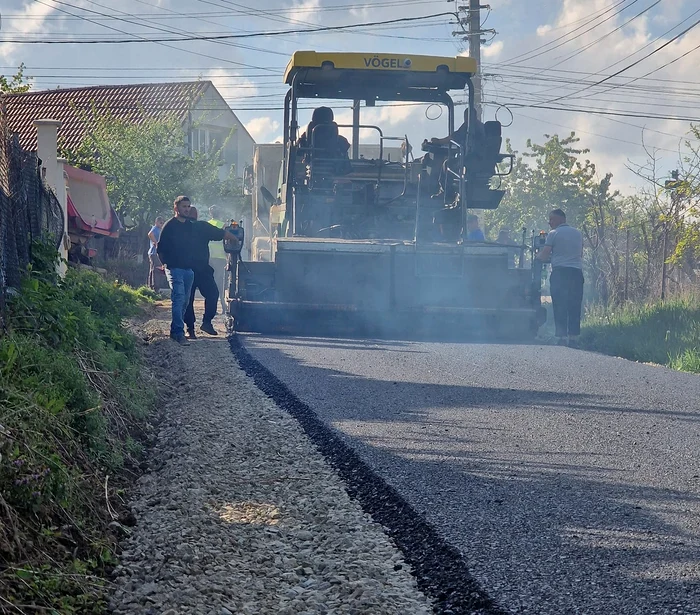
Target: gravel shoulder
[240, 513]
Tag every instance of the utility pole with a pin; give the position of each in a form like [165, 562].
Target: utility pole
[627, 264]
[663, 265]
[475, 50]
[470, 16]
[671, 185]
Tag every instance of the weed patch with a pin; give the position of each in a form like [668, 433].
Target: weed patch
[74, 403]
[666, 332]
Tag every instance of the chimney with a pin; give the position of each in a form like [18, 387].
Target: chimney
[47, 148]
[52, 171]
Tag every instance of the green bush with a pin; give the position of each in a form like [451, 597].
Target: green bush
[73, 401]
[665, 332]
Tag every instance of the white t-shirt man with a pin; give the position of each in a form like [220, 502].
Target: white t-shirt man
[567, 246]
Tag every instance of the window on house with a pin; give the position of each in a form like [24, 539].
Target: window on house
[204, 140]
[198, 140]
[216, 139]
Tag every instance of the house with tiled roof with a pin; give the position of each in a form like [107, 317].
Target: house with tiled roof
[206, 117]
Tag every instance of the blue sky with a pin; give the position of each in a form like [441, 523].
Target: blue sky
[545, 54]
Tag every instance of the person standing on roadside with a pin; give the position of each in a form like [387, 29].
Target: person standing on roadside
[204, 232]
[505, 239]
[176, 248]
[218, 256]
[154, 263]
[474, 233]
[564, 247]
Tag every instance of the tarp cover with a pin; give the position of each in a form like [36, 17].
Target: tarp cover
[88, 206]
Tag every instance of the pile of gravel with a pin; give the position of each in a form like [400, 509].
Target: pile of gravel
[240, 513]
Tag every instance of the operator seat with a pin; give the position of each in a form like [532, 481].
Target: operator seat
[483, 156]
[328, 155]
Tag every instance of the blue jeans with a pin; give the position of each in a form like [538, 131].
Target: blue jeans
[180, 281]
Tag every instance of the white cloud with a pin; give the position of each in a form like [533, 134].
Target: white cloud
[260, 128]
[231, 84]
[305, 11]
[31, 20]
[395, 121]
[614, 141]
[493, 50]
[361, 12]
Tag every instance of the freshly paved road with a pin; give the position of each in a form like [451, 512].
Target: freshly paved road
[569, 480]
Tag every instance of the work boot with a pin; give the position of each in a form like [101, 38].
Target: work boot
[573, 341]
[191, 335]
[207, 327]
[180, 339]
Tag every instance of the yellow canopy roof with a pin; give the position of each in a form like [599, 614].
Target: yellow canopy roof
[378, 62]
[372, 77]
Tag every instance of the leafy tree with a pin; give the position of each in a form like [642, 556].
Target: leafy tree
[553, 175]
[685, 199]
[16, 84]
[544, 177]
[146, 164]
[626, 240]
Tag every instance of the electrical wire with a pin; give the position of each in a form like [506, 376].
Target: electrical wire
[231, 13]
[650, 116]
[47, 41]
[593, 134]
[632, 65]
[189, 51]
[529, 54]
[592, 44]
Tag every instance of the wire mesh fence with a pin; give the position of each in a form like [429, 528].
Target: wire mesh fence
[29, 211]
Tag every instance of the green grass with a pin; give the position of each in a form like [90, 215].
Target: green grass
[74, 400]
[667, 333]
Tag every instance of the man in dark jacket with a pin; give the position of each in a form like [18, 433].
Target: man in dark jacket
[176, 248]
[204, 232]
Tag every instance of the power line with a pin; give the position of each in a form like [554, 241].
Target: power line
[632, 65]
[141, 39]
[594, 134]
[231, 13]
[515, 103]
[592, 44]
[180, 31]
[529, 54]
[644, 93]
[220, 37]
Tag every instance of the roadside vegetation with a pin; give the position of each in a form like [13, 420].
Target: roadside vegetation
[667, 333]
[74, 409]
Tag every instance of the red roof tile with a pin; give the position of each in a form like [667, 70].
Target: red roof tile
[130, 102]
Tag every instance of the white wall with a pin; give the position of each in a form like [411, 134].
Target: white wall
[214, 118]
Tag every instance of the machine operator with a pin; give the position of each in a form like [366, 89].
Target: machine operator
[458, 136]
[322, 133]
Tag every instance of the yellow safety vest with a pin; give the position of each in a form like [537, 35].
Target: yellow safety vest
[216, 248]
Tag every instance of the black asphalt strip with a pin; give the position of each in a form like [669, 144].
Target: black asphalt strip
[440, 569]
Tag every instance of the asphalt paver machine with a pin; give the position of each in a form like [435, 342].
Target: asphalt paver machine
[380, 247]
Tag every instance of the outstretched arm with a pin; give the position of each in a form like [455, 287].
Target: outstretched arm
[545, 254]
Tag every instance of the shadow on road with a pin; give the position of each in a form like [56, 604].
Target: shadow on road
[555, 506]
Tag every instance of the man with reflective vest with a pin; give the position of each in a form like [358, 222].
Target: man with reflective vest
[204, 281]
